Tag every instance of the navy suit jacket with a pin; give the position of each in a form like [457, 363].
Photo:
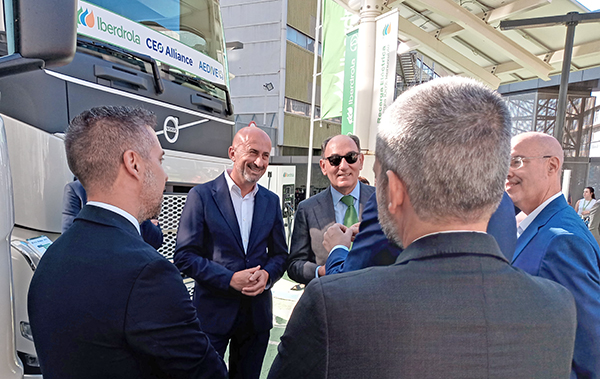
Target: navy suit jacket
[372, 248]
[104, 304]
[74, 198]
[450, 307]
[557, 245]
[209, 249]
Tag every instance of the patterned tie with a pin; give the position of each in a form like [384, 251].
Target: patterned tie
[350, 218]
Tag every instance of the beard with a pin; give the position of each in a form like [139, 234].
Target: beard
[249, 175]
[151, 197]
[385, 218]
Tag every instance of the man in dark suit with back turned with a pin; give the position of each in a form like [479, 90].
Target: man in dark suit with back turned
[102, 302]
[451, 306]
[341, 161]
[232, 242]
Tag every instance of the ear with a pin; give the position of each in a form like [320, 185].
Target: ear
[361, 160]
[322, 165]
[231, 153]
[133, 163]
[553, 166]
[396, 192]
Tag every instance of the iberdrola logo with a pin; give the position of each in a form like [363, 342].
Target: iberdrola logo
[386, 29]
[85, 17]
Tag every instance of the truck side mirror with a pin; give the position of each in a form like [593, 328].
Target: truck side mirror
[39, 34]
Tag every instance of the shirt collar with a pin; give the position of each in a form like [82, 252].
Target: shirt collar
[235, 188]
[119, 211]
[530, 217]
[337, 195]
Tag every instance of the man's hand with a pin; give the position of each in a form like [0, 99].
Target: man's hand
[338, 234]
[241, 279]
[258, 281]
[321, 271]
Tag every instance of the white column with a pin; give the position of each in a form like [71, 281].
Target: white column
[370, 9]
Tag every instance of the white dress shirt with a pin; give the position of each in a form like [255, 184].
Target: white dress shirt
[117, 210]
[530, 217]
[243, 207]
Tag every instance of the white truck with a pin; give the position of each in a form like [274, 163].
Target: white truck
[60, 57]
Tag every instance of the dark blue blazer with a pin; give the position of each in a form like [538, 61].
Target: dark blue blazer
[74, 198]
[372, 248]
[104, 304]
[209, 249]
[558, 246]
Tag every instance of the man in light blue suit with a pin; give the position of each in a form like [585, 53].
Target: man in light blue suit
[554, 242]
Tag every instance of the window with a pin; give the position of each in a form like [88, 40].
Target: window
[302, 40]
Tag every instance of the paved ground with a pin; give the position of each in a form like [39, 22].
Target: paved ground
[284, 301]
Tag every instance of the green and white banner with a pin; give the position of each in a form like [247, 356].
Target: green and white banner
[384, 80]
[336, 23]
[103, 25]
[349, 99]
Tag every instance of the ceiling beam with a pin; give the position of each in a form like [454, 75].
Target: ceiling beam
[444, 54]
[454, 12]
[493, 15]
[579, 51]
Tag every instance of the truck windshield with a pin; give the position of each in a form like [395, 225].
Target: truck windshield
[195, 23]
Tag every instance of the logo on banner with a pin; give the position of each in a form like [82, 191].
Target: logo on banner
[85, 18]
[386, 29]
[354, 42]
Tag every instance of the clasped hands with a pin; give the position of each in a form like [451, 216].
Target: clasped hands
[250, 282]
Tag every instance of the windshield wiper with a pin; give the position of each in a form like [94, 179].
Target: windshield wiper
[158, 84]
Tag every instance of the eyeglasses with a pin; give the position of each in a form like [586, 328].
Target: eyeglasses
[517, 162]
[336, 159]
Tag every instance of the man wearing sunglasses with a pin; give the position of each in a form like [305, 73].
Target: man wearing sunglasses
[342, 202]
[553, 242]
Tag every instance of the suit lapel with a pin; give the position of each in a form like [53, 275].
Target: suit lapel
[258, 215]
[545, 215]
[325, 212]
[222, 198]
[364, 197]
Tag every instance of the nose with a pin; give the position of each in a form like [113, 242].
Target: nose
[261, 162]
[344, 164]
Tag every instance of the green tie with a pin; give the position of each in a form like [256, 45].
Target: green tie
[350, 218]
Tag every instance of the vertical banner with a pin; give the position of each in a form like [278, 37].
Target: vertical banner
[349, 99]
[384, 80]
[336, 21]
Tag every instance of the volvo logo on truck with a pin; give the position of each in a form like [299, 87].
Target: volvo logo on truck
[171, 129]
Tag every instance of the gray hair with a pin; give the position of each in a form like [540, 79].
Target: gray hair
[351, 136]
[449, 142]
[97, 139]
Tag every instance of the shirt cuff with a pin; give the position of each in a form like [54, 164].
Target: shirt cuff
[317, 272]
[340, 247]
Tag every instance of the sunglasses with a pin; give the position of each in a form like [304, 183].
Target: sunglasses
[336, 159]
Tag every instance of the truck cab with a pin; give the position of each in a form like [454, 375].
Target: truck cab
[60, 57]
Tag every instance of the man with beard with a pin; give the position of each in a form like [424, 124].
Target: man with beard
[232, 242]
[451, 306]
[102, 302]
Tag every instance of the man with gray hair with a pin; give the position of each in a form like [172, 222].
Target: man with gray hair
[102, 302]
[451, 306]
